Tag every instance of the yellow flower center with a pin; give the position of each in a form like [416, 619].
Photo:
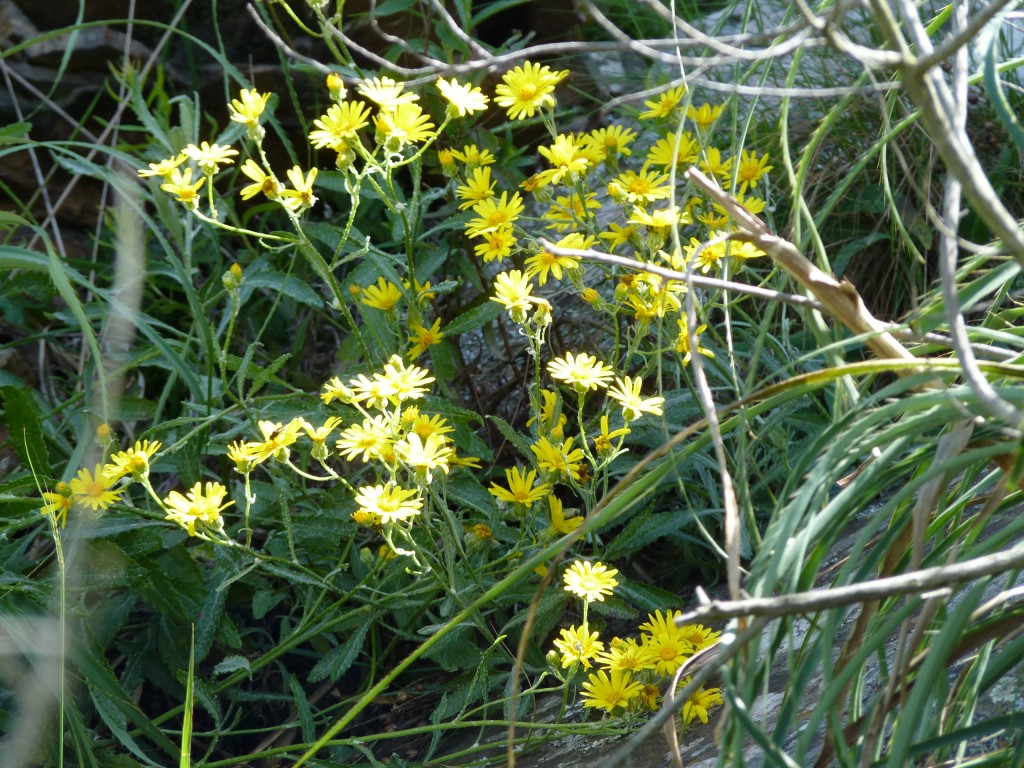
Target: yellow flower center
[668, 652]
[527, 92]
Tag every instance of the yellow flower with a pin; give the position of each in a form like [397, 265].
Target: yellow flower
[164, 168]
[263, 182]
[660, 220]
[384, 295]
[319, 435]
[683, 340]
[513, 291]
[407, 382]
[58, 502]
[423, 337]
[463, 99]
[666, 154]
[699, 636]
[525, 89]
[697, 706]
[665, 642]
[478, 187]
[133, 461]
[198, 508]
[627, 656]
[610, 692]
[627, 392]
[559, 523]
[335, 390]
[582, 371]
[603, 442]
[209, 156]
[276, 439]
[403, 124]
[664, 104]
[390, 503]
[496, 245]
[521, 488]
[424, 455]
[566, 160]
[337, 128]
[180, 185]
[578, 645]
[373, 393]
[750, 169]
[386, 92]
[93, 490]
[611, 141]
[705, 115]
[644, 187]
[552, 459]
[713, 164]
[705, 256]
[301, 197]
[543, 262]
[370, 438]
[571, 211]
[248, 107]
[425, 425]
[617, 235]
[240, 453]
[591, 581]
[495, 214]
[473, 157]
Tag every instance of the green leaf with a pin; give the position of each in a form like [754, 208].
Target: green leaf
[1000, 105]
[337, 661]
[185, 759]
[303, 709]
[513, 436]
[233, 664]
[289, 285]
[14, 133]
[25, 433]
[267, 373]
[473, 318]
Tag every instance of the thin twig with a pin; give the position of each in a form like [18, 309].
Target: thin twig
[815, 600]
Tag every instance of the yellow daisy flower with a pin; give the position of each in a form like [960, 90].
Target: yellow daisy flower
[610, 691]
[627, 392]
[526, 89]
[582, 371]
[578, 645]
[388, 502]
[478, 187]
[423, 337]
[93, 489]
[405, 123]
[384, 295]
[198, 508]
[664, 105]
[493, 214]
[370, 439]
[386, 92]
[248, 107]
[590, 581]
[462, 99]
[521, 488]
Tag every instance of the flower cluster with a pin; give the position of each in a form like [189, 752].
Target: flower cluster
[629, 674]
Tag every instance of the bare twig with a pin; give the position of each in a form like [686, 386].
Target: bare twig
[816, 600]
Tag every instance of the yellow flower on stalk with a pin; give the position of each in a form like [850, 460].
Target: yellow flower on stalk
[58, 503]
[473, 157]
[513, 291]
[462, 99]
[610, 141]
[334, 389]
[209, 157]
[559, 522]
[582, 371]
[426, 425]
[386, 92]
[276, 439]
[643, 187]
[713, 165]
[578, 645]
[683, 340]
[665, 642]
[447, 161]
[132, 461]
[181, 186]
[199, 508]
[561, 460]
[405, 123]
[319, 435]
[603, 441]
[541, 263]
[422, 456]
[371, 439]
[753, 204]
[337, 128]
[478, 187]
[699, 636]
[610, 691]
[423, 337]
[705, 256]
[496, 245]
[627, 392]
[263, 182]
[420, 290]
[705, 115]
[521, 488]
[590, 581]
[407, 382]
[660, 220]
[239, 452]
[566, 159]
[164, 168]
[93, 490]
[617, 235]
[372, 393]
[627, 656]
[698, 705]
[248, 107]
[384, 295]
[301, 197]
[525, 89]
[750, 169]
[664, 105]
[495, 214]
[666, 154]
[389, 502]
[571, 211]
